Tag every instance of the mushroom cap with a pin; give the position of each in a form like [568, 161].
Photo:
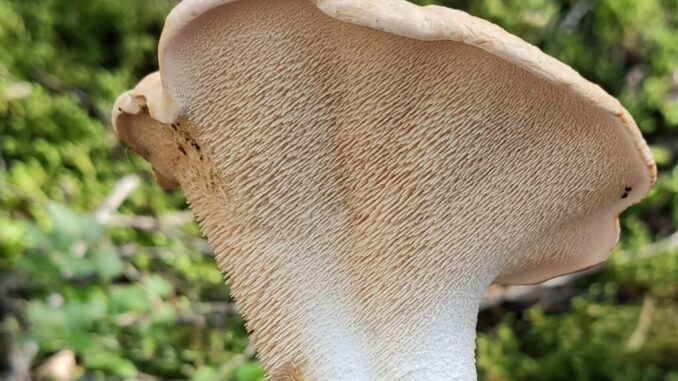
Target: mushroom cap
[434, 123]
[135, 120]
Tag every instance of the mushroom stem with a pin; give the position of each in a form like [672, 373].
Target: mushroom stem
[442, 348]
[318, 325]
[434, 343]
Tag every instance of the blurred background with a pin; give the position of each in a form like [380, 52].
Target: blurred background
[103, 276]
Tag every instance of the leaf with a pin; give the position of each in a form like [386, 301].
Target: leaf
[157, 286]
[70, 227]
[110, 362]
[66, 225]
[81, 314]
[71, 266]
[205, 373]
[107, 262]
[128, 298]
[48, 324]
[249, 371]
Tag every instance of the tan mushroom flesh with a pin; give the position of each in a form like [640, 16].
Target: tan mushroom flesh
[365, 169]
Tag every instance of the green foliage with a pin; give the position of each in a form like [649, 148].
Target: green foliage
[85, 297]
[592, 340]
[121, 314]
[129, 301]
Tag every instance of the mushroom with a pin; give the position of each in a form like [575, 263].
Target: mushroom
[365, 169]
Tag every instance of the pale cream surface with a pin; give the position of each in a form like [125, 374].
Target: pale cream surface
[361, 189]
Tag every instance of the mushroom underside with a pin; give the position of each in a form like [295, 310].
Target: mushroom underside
[481, 149]
[328, 161]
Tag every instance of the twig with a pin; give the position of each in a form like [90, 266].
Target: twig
[199, 312]
[235, 362]
[644, 324]
[651, 250]
[532, 293]
[167, 221]
[115, 198]
[575, 15]
[16, 90]
[221, 308]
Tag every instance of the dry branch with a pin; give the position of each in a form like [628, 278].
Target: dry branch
[115, 198]
[168, 221]
[236, 361]
[530, 294]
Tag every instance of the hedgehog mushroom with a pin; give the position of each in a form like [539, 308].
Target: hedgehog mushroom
[365, 169]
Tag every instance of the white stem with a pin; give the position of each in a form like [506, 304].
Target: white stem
[437, 344]
[443, 349]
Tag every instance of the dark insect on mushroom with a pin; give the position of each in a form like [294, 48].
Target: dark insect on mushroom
[627, 190]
